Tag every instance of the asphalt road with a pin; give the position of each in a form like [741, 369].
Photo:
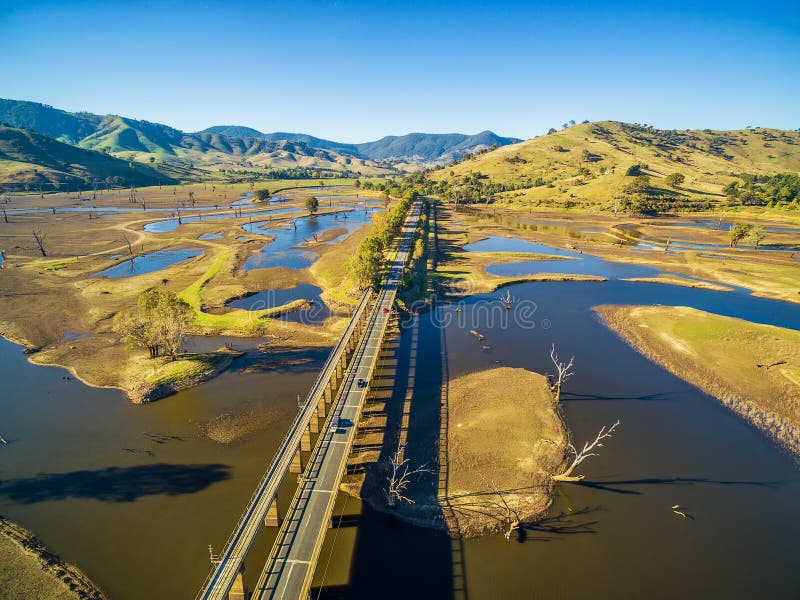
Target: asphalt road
[290, 567]
[231, 558]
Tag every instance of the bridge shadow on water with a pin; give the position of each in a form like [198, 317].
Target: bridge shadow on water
[115, 484]
[392, 558]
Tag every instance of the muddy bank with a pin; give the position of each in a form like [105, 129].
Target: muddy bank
[101, 361]
[753, 369]
[29, 570]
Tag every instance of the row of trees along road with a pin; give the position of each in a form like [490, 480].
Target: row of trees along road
[366, 264]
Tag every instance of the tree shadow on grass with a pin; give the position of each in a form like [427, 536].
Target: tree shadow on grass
[115, 484]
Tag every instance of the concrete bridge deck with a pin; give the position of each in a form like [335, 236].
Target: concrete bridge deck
[290, 566]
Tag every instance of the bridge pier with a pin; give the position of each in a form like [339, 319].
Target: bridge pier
[273, 519]
[305, 440]
[329, 393]
[321, 408]
[238, 589]
[313, 424]
[297, 463]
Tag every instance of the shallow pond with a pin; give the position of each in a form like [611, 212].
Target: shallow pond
[572, 263]
[209, 236]
[287, 251]
[539, 225]
[314, 315]
[245, 199]
[169, 225]
[148, 263]
[717, 225]
[677, 244]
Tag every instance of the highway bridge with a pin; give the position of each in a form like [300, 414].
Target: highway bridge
[338, 394]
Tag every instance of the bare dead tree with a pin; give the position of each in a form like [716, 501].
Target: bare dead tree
[40, 238]
[5, 216]
[127, 241]
[586, 452]
[400, 477]
[563, 372]
[666, 246]
[507, 300]
[509, 509]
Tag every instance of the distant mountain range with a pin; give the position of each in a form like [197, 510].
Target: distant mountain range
[181, 155]
[419, 147]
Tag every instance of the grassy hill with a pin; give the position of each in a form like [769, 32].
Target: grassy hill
[41, 118]
[588, 164]
[31, 158]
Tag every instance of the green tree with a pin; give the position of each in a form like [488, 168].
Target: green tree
[674, 180]
[312, 204]
[365, 265]
[262, 195]
[640, 186]
[635, 170]
[160, 324]
[757, 235]
[738, 232]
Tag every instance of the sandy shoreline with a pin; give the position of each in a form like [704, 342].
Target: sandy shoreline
[779, 420]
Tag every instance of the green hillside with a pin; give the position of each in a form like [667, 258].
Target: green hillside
[41, 118]
[173, 151]
[594, 164]
[31, 158]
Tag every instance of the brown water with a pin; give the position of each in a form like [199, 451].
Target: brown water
[134, 494]
[614, 536]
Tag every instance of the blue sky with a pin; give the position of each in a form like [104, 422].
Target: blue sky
[355, 71]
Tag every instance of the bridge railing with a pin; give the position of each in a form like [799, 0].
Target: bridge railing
[286, 445]
[262, 589]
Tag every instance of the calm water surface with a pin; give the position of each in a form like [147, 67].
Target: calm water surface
[286, 249]
[614, 536]
[148, 263]
[314, 315]
[134, 494]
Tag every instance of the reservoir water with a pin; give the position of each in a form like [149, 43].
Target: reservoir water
[134, 494]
